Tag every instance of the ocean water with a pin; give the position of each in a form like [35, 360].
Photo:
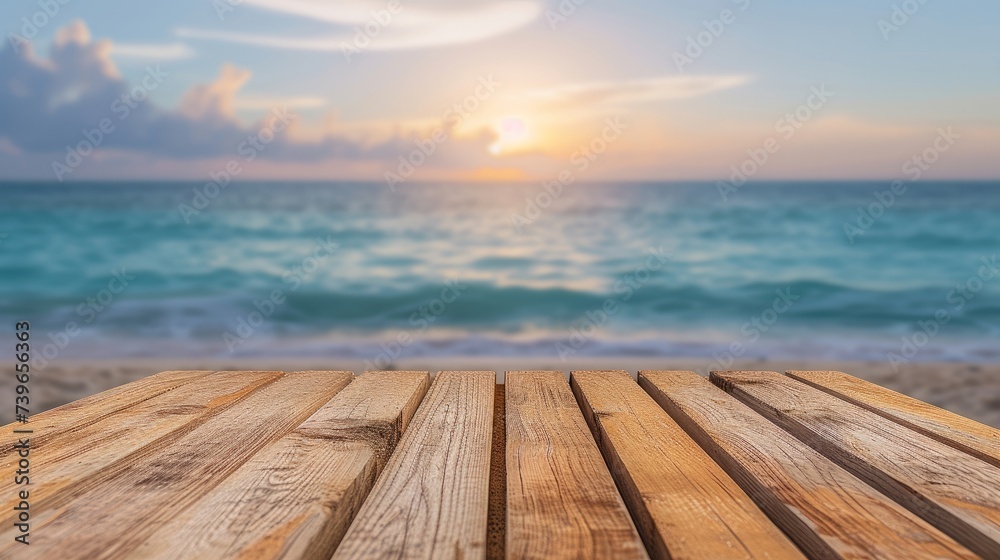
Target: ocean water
[339, 270]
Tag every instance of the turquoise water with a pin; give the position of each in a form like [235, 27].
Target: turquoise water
[358, 271]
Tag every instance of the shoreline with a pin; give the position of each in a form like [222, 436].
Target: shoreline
[969, 389]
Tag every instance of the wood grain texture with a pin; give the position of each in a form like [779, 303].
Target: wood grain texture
[431, 501]
[561, 500]
[69, 416]
[953, 491]
[72, 462]
[684, 504]
[947, 427]
[296, 497]
[827, 511]
[114, 518]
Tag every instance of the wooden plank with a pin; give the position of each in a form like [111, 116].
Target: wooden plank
[684, 505]
[296, 497]
[114, 518]
[827, 511]
[561, 500]
[431, 500]
[953, 491]
[50, 423]
[72, 462]
[947, 427]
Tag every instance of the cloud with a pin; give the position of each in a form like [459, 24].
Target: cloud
[80, 58]
[429, 24]
[215, 100]
[172, 51]
[47, 105]
[635, 91]
[266, 103]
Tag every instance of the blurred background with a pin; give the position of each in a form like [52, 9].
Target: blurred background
[503, 185]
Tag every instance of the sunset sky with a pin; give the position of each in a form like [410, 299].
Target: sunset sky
[497, 90]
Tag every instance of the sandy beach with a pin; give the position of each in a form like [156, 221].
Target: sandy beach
[971, 390]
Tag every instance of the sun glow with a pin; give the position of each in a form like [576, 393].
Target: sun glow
[512, 135]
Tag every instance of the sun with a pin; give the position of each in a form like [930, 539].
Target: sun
[512, 134]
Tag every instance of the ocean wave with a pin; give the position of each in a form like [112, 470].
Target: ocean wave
[729, 262]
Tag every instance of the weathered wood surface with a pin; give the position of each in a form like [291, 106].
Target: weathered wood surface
[561, 500]
[684, 504]
[296, 497]
[70, 463]
[827, 511]
[431, 501]
[274, 465]
[947, 427]
[69, 416]
[954, 491]
[111, 520]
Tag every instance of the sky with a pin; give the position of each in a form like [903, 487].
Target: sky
[399, 91]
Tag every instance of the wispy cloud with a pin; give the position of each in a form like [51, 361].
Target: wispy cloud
[171, 51]
[429, 24]
[635, 91]
[268, 103]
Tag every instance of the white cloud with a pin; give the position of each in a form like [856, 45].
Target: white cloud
[634, 91]
[428, 24]
[172, 51]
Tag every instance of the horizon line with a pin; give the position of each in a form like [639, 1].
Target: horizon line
[4, 181]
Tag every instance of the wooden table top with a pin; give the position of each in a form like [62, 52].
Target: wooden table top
[395, 464]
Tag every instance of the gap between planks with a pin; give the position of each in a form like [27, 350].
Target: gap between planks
[126, 509]
[432, 498]
[561, 500]
[684, 504]
[80, 458]
[827, 511]
[978, 440]
[952, 490]
[296, 497]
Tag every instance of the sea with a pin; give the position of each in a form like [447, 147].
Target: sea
[786, 270]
